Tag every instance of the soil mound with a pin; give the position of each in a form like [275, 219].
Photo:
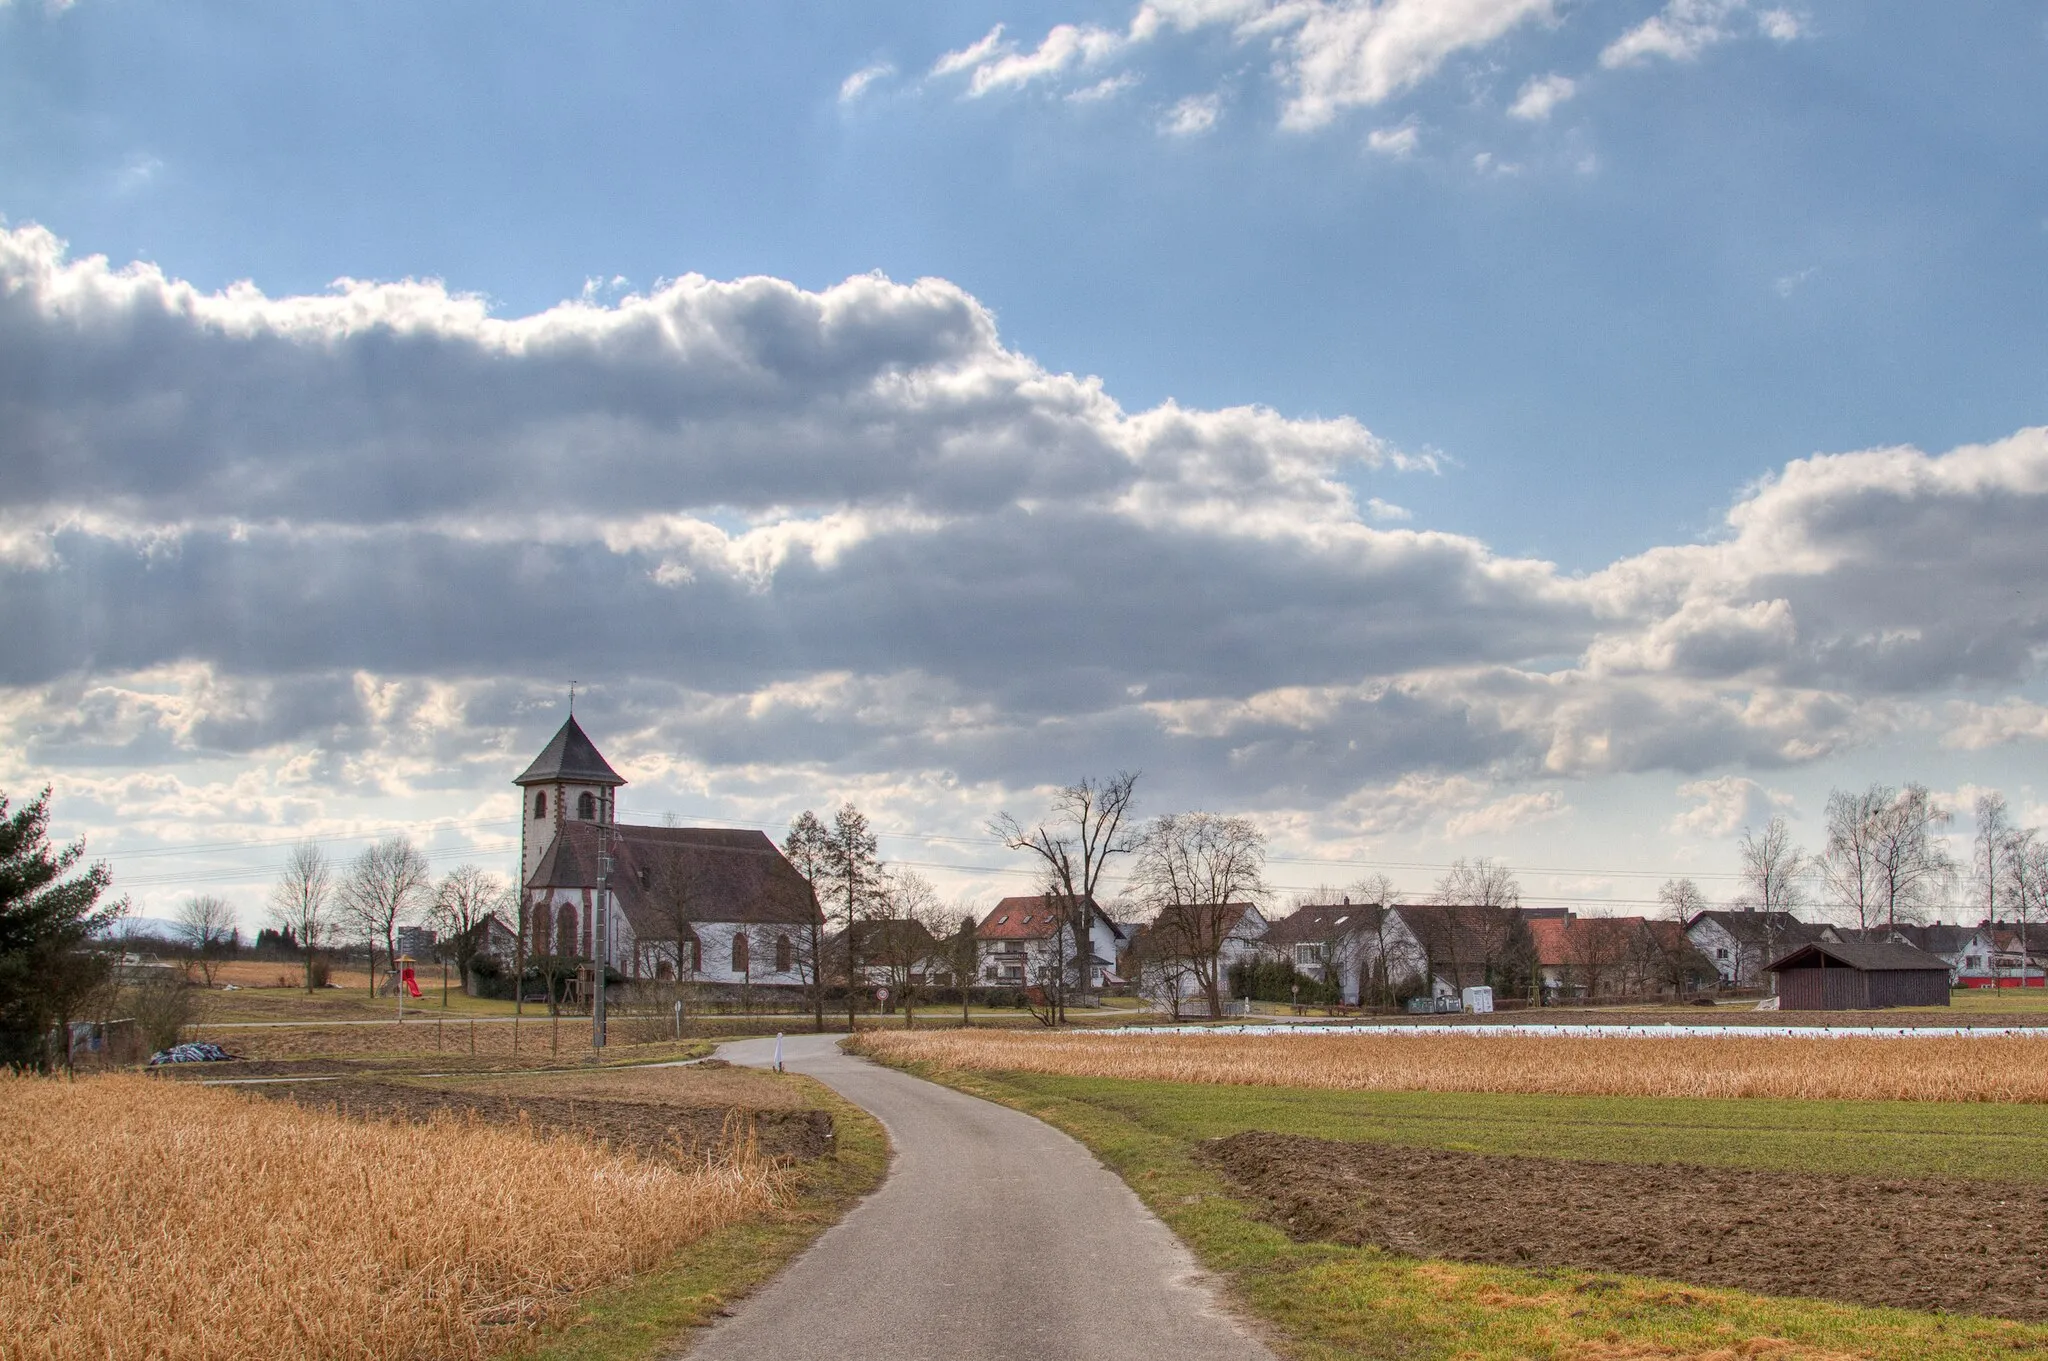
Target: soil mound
[1933, 1244]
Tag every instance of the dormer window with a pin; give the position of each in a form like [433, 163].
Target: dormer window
[643, 877]
[586, 805]
[540, 805]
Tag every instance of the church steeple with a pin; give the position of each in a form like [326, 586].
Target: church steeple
[570, 781]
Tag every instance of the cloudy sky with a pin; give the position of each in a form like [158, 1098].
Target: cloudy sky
[1563, 431]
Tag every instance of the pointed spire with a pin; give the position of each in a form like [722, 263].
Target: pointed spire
[570, 757]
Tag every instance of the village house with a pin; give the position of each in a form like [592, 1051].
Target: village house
[1592, 957]
[1188, 950]
[703, 904]
[1366, 950]
[2019, 958]
[1743, 944]
[1022, 939]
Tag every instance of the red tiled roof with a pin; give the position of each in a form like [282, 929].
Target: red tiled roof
[1031, 917]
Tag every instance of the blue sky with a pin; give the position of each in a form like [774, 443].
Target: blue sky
[1580, 277]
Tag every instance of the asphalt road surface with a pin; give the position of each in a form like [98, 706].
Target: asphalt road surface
[994, 1238]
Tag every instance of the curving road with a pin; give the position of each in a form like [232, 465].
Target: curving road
[995, 1238]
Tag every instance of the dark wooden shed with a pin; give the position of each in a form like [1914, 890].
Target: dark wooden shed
[1828, 976]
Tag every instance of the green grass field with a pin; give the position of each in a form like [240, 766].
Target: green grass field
[1326, 1302]
[1906, 1138]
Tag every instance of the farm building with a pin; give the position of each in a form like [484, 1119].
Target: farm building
[1824, 975]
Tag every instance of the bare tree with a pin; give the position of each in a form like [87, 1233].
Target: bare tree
[1682, 900]
[2025, 874]
[299, 903]
[905, 943]
[960, 952]
[1671, 958]
[464, 899]
[1848, 865]
[207, 926]
[1773, 870]
[1598, 950]
[386, 888]
[1197, 870]
[854, 871]
[1913, 867]
[1076, 843]
[1989, 850]
[807, 848]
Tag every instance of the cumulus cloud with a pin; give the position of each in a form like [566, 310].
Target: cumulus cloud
[1540, 95]
[857, 84]
[1725, 805]
[1331, 55]
[850, 530]
[1516, 810]
[1684, 29]
[1396, 142]
[1192, 116]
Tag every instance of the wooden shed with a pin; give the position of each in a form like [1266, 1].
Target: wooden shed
[1825, 975]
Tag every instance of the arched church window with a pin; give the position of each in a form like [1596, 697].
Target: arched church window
[586, 805]
[785, 954]
[565, 931]
[540, 805]
[541, 935]
[664, 971]
[696, 955]
[739, 952]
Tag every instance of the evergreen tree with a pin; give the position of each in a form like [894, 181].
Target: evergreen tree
[47, 925]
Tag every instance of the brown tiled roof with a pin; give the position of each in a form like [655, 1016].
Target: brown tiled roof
[720, 874]
[1030, 917]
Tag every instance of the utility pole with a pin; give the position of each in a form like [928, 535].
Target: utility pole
[601, 965]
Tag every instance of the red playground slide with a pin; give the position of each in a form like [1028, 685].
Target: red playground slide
[412, 985]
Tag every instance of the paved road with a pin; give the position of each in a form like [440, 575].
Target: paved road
[995, 1238]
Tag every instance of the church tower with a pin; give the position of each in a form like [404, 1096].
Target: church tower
[568, 782]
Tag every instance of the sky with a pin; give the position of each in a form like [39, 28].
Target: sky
[1563, 432]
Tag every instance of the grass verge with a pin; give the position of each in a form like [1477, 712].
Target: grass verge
[1325, 1302]
[649, 1316]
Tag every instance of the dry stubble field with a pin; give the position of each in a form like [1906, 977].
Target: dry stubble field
[2001, 1069]
[146, 1219]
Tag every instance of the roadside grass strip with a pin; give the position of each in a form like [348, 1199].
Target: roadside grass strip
[140, 1218]
[2004, 1069]
[1326, 1302]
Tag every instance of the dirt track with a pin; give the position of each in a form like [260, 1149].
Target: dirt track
[1929, 1243]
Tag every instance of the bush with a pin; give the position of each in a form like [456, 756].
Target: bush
[164, 1007]
[1275, 980]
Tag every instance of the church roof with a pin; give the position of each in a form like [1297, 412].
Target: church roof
[570, 756]
[661, 873]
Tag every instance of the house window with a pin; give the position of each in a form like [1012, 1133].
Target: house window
[586, 806]
[540, 805]
[739, 952]
[785, 955]
[1721, 953]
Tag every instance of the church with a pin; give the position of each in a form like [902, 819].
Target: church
[694, 904]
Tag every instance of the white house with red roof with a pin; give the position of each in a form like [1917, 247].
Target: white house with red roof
[1022, 939]
[703, 904]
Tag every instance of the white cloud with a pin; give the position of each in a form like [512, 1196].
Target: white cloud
[1516, 810]
[1333, 55]
[1785, 285]
[857, 84]
[974, 54]
[1723, 806]
[1540, 95]
[1108, 88]
[1974, 727]
[1396, 142]
[1684, 29]
[1191, 116]
[861, 496]
[1387, 510]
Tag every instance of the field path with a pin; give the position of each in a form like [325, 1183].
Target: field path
[995, 1238]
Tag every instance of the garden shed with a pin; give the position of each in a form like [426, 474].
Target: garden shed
[1830, 976]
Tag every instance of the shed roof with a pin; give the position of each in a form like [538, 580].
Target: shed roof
[570, 755]
[1871, 957]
